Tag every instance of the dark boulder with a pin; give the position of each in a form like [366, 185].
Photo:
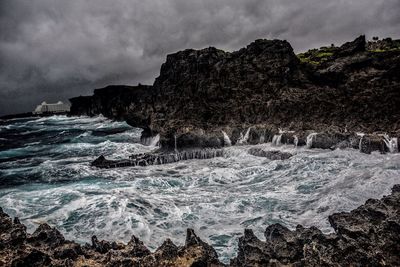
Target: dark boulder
[369, 143]
[270, 154]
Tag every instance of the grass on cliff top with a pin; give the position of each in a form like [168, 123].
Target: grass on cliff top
[384, 50]
[324, 54]
[317, 56]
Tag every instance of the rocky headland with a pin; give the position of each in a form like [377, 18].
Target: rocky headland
[366, 236]
[348, 95]
[332, 97]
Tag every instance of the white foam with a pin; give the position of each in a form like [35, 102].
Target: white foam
[310, 139]
[218, 196]
[244, 138]
[391, 143]
[227, 140]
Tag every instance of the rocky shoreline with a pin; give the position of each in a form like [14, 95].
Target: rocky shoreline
[201, 95]
[366, 236]
[365, 143]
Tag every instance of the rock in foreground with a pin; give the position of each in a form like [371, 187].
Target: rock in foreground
[366, 236]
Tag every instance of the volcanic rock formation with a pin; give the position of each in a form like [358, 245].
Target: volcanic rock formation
[200, 93]
[366, 236]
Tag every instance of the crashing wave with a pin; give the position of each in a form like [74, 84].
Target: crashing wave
[391, 143]
[227, 140]
[310, 139]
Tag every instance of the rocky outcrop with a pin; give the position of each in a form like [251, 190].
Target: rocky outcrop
[270, 154]
[367, 144]
[47, 247]
[366, 236]
[200, 93]
[117, 102]
[157, 158]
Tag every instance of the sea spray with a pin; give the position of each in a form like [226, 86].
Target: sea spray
[391, 143]
[151, 141]
[295, 140]
[276, 139]
[361, 135]
[262, 137]
[175, 144]
[310, 139]
[227, 140]
[244, 138]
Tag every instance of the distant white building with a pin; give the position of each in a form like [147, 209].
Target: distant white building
[55, 108]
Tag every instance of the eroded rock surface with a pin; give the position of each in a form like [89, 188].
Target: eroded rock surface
[270, 154]
[366, 236]
[157, 158]
[265, 85]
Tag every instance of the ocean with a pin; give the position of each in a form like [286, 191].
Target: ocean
[45, 176]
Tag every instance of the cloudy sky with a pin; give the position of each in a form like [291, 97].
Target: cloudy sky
[55, 49]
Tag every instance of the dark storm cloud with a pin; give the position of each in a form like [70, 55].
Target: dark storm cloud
[51, 50]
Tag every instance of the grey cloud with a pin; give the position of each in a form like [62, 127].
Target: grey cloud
[51, 50]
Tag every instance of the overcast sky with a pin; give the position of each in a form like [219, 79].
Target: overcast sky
[52, 50]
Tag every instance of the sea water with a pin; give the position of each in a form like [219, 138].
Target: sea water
[45, 176]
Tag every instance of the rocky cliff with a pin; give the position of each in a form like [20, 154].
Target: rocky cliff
[266, 86]
[366, 236]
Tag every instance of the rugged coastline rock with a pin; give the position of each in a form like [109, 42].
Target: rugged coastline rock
[366, 236]
[367, 144]
[157, 158]
[270, 154]
[199, 93]
[118, 102]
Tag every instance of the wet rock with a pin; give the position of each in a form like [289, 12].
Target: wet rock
[5, 221]
[198, 252]
[158, 158]
[251, 251]
[328, 140]
[99, 161]
[371, 143]
[194, 140]
[101, 246]
[168, 250]
[137, 248]
[45, 235]
[366, 236]
[270, 154]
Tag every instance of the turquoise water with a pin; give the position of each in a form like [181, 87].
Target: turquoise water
[45, 176]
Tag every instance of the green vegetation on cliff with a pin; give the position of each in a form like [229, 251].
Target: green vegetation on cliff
[317, 56]
[324, 54]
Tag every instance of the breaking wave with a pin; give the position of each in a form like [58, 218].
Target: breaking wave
[45, 175]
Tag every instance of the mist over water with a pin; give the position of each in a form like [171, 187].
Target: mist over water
[45, 176]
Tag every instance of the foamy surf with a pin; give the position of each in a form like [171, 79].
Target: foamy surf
[51, 180]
